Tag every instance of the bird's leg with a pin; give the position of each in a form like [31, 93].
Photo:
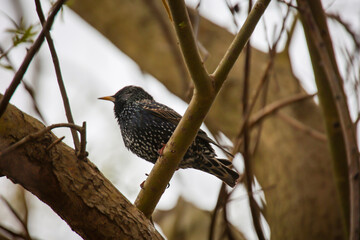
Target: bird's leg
[161, 150]
[143, 183]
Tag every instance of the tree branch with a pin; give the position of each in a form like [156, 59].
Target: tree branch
[302, 127]
[185, 132]
[58, 75]
[38, 134]
[29, 56]
[331, 94]
[69, 186]
[239, 42]
[188, 46]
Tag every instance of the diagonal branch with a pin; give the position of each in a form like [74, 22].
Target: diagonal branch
[188, 46]
[69, 186]
[18, 217]
[239, 42]
[204, 94]
[302, 127]
[29, 56]
[40, 133]
[58, 74]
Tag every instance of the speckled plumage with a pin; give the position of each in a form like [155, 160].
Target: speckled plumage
[147, 125]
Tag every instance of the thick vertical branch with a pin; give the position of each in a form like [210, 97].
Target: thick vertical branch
[340, 129]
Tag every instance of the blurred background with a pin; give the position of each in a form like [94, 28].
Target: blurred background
[92, 67]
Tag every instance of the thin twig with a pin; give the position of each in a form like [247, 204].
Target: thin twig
[220, 203]
[254, 209]
[29, 56]
[189, 47]
[39, 134]
[82, 152]
[17, 216]
[336, 17]
[263, 102]
[58, 75]
[276, 106]
[257, 191]
[267, 111]
[302, 127]
[252, 105]
[27, 87]
[54, 143]
[170, 39]
[230, 57]
[227, 224]
[13, 234]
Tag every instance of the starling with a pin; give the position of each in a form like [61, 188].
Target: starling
[146, 126]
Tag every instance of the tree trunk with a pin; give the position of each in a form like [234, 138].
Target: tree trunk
[75, 189]
[303, 204]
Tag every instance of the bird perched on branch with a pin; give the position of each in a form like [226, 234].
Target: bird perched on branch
[146, 126]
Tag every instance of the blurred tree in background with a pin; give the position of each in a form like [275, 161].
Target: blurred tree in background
[303, 154]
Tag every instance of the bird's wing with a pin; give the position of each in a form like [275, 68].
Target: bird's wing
[162, 111]
[168, 114]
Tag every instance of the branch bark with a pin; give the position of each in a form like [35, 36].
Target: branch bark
[204, 94]
[75, 189]
[340, 128]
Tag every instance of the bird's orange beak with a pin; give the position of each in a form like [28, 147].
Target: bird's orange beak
[108, 98]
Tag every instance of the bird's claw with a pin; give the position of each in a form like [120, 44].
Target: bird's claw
[161, 150]
[143, 183]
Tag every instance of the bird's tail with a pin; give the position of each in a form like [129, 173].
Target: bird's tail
[221, 168]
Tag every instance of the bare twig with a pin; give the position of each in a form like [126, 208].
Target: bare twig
[58, 75]
[29, 56]
[27, 87]
[220, 203]
[82, 152]
[347, 27]
[170, 39]
[277, 105]
[13, 234]
[39, 134]
[17, 216]
[302, 127]
[267, 111]
[254, 209]
[54, 143]
[238, 43]
[249, 111]
[289, 4]
[254, 192]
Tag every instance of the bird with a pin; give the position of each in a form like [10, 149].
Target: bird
[146, 126]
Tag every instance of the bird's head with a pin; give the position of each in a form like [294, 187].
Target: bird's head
[126, 95]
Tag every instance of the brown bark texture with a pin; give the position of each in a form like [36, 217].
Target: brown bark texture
[303, 203]
[75, 189]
